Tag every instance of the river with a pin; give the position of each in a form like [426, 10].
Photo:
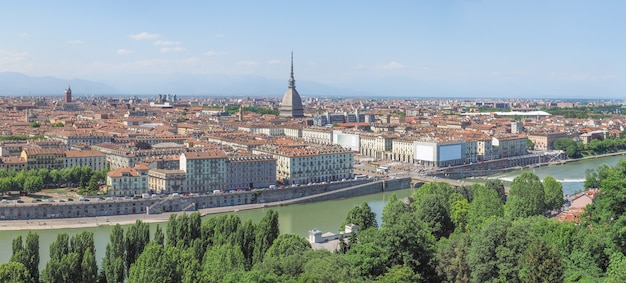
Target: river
[325, 216]
[571, 175]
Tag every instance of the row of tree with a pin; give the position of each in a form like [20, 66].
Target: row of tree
[575, 149]
[33, 181]
[440, 234]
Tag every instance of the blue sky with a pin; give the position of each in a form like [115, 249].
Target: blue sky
[418, 48]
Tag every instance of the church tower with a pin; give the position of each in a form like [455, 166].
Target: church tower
[291, 105]
[67, 97]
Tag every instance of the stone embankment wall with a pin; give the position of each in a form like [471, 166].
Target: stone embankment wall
[365, 189]
[492, 167]
[95, 207]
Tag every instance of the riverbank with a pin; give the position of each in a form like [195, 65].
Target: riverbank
[99, 221]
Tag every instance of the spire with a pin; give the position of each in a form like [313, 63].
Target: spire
[292, 81]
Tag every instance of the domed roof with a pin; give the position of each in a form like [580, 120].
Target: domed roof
[292, 98]
[291, 105]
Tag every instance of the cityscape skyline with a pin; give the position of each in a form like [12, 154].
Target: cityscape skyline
[454, 49]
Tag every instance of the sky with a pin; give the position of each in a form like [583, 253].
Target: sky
[470, 48]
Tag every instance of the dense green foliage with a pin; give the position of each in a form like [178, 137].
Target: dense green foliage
[234, 109]
[442, 234]
[33, 181]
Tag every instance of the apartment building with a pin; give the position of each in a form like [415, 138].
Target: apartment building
[128, 181]
[307, 164]
[247, 171]
[318, 135]
[506, 146]
[92, 158]
[376, 146]
[163, 181]
[206, 170]
[545, 140]
[37, 158]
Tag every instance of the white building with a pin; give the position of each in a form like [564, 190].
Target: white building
[310, 164]
[206, 170]
[440, 154]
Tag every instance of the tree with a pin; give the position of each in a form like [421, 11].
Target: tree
[486, 205]
[137, 238]
[482, 258]
[541, 263]
[27, 255]
[526, 197]
[399, 273]
[617, 268]
[267, 231]
[409, 242]
[89, 268]
[361, 216]
[451, 257]
[367, 257]
[153, 265]
[393, 209]
[113, 265]
[327, 267]
[14, 272]
[458, 214]
[497, 186]
[33, 184]
[433, 213]
[553, 193]
[159, 237]
[221, 260]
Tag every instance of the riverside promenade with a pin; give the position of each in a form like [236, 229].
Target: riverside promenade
[99, 221]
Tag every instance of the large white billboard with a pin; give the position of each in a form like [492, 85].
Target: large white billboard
[425, 152]
[350, 141]
[450, 152]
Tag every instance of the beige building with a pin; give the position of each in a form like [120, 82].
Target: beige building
[403, 150]
[509, 146]
[128, 181]
[545, 141]
[318, 135]
[37, 158]
[163, 181]
[377, 146]
[310, 164]
[92, 158]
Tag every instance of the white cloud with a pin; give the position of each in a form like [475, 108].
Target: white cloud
[9, 57]
[215, 53]
[143, 35]
[247, 63]
[359, 67]
[75, 41]
[274, 62]
[172, 49]
[393, 65]
[219, 35]
[166, 42]
[123, 51]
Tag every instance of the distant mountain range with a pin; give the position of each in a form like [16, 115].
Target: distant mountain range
[17, 84]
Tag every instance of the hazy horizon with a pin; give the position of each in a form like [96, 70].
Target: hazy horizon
[408, 48]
